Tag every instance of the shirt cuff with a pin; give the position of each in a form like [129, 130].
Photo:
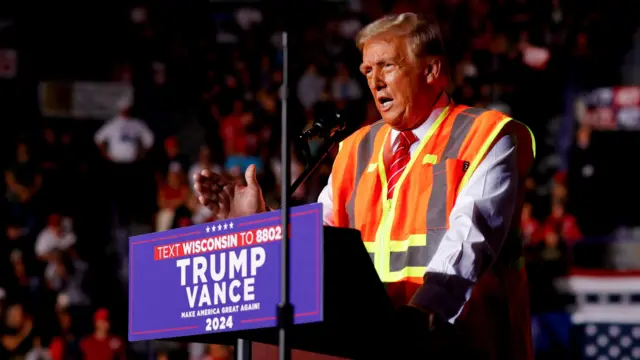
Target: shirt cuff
[443, 294]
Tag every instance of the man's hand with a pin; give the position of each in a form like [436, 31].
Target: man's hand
[226, 199]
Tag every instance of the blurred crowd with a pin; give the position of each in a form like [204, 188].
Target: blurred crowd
[76, 190]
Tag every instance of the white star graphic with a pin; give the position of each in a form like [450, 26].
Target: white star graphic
[213, 228]
[225, 226]
[231, 225]
[207, 229]
[219, 227]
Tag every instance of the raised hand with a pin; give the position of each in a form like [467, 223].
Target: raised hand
[227, 199]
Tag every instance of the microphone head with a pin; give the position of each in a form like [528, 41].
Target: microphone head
[331, 122]
[324, 127]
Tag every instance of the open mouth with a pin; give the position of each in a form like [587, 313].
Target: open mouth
[385, 102]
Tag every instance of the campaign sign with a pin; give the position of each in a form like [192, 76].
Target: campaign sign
[223, 276]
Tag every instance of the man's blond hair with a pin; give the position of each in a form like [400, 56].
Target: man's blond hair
[423, 34]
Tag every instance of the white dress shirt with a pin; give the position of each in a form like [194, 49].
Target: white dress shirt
[488, 199]
[123, 138]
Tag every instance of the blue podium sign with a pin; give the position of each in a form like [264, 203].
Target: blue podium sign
[223, 276]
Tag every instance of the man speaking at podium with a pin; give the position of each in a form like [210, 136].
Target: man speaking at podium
[436, 190]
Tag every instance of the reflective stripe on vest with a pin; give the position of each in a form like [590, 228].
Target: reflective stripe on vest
[418, 256]
[365, 151]
[398, 259]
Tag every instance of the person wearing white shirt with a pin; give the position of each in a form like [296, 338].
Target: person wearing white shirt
[404, 64]
[124, 141]
[54, 238]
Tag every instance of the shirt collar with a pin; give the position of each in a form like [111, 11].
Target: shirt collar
[421, 130]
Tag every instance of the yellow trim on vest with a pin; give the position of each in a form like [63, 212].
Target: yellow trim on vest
[485, 147]
[430, 159]
[400, 245]
[382, 261]
[482, 152]
[533, 140]
[340, 146]
[372, 167]
[409, 271]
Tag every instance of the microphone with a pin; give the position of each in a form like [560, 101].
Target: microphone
[325, 127]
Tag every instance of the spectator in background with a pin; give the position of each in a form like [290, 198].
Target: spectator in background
[102, 345]
[65, 275]
[344, 88]
[54, 238]
[18, 239]
[64, 346]
[299, 197]
[231, 90]
[553, 254]
[551, 324]
[311, 86]
[38, 352]
[233, 130]
[267, 122]
[50, 149]
[124, 141]
[241, 138]
[172, 154]
[18, 334]
[559, 191]
[50, 156]
[22, 282]
[529, 226]
[587, 174]
[23, 178]
[171, 195]
[562, 223]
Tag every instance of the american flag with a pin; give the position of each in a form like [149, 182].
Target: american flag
[611, 341]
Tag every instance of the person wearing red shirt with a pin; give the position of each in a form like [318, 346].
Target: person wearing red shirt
[529, 226]
[65, 345]
[233, 130]
[101, 345]
[562, 222]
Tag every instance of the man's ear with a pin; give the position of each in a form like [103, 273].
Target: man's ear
[432, 70]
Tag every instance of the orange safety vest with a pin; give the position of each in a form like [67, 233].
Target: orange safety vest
[402, 234]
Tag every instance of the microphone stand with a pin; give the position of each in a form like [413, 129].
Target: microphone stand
[285, 308]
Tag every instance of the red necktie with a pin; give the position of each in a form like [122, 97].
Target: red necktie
[400, 160]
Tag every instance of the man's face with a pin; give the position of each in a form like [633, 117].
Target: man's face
[15, 316]
[398, 81]
[102, 326]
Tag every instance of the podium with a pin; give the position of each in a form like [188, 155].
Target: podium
[341, 307]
